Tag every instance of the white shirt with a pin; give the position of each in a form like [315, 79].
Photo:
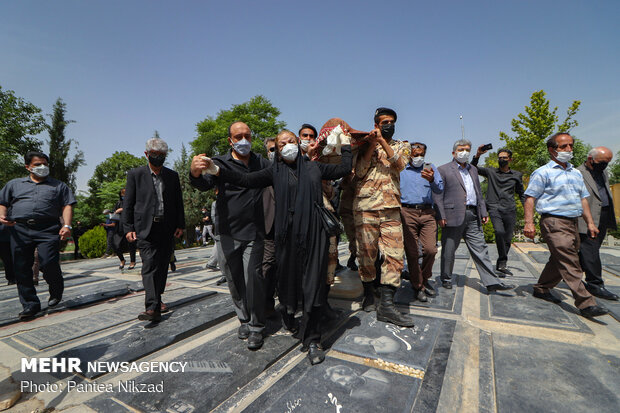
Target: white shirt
[471, 199]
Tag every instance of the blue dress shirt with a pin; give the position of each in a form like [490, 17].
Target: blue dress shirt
[416, 190]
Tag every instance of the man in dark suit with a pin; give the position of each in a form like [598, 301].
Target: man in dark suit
[461, 214]
[152, 214]
[602, 209]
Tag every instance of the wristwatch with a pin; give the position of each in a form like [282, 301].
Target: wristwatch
[68, 226]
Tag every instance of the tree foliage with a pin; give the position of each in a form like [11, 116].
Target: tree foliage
[62, 167]
[20, 121]
[531, 130]
[260, 115]
[193, 200]
[614, 170]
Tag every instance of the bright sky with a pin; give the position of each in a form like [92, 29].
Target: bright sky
[127, 68]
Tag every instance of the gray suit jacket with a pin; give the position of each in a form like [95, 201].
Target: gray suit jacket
[451, 202]
[594, 200]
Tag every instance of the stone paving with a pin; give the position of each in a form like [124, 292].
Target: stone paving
[468, 351]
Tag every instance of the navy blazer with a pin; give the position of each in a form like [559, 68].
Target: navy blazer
[452, 201]
[140, 200]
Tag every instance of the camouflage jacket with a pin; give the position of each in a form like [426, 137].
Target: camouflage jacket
[378, 185]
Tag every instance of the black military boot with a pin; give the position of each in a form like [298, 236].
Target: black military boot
[369, 299]
[351, 263]
[387, 312]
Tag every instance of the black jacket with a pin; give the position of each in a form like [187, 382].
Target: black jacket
[140, 201]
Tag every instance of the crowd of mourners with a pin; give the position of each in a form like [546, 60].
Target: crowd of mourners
[277, 222]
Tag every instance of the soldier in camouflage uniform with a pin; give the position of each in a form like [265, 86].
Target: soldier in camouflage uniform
[377, 215]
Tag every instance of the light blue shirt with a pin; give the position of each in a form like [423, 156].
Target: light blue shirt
[557, 191]
[471, 199]
[416, 190]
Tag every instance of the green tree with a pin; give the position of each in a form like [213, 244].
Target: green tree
[193, 200]
[62, 167]
[614, 170]
[109, 178]
[20, 122]
[260, 115]
[532, 129]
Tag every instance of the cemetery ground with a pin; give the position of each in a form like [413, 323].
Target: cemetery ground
[469, 351]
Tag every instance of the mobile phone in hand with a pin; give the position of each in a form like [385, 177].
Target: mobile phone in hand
[487, 147]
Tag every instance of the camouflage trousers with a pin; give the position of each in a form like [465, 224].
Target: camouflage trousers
[346, 215]
[332, 260]
[380, 230]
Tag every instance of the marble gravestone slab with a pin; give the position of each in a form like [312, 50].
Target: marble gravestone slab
[540, 257]
[69, 282]
[534, 375]
[369, 338]
[143, 338]
[200, 278]
[613, 268]
[52, 335]
[612, 306]
[79, 296]
[338, 386]
[518, 268]
[215, 372]
[4, 287]
[448, 300]
[520, 306]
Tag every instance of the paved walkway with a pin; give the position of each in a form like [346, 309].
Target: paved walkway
[469, 351]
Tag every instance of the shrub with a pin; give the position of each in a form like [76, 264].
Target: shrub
[489, 232]
[93, 243]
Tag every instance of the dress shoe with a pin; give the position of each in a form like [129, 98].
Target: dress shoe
[211, 267]
[316, 354]
[255, 340]
[150, 315]
[53, 302]
[593, 311]
[164, 308]
[243, 332]
[500, 274]
[29, 313]
[419, 295]
[351, 263]
[600, 291]
[120, 267]
[428, 289]
[506, 271]
[503, 269]
[547, 297]
[132, 265]
[499, 287]
[221, 281]
[447, 284]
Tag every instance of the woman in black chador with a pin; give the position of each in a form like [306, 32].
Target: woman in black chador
[301, 240]
[119, 241]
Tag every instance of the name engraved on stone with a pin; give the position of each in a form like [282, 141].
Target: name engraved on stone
[209, 367]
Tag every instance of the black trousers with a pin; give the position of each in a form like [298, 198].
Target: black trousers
[504, 226]
[155, 252]
[45, 238]
[269, 271]
[589, 257]
[7, 260]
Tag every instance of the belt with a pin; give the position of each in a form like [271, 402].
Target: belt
[417, 206]
[33, 222]
[158, 218]
[557, 216]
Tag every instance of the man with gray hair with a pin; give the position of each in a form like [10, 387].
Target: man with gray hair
[462, 212]
[153, 214]
[602, 209]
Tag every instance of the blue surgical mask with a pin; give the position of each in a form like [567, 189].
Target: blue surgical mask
[243, 147]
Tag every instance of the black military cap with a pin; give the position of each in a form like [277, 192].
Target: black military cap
[384, 111]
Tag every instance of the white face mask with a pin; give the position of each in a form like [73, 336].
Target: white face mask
[417, 161]
[304, 145]
[41, 171]
[564, 156]
[462, 156]
[289, 152]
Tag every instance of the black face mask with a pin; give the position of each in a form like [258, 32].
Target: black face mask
[157, 161]
[599, 167]
[502, 163]
[387, 131]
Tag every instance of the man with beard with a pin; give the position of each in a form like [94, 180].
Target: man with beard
[241, 228]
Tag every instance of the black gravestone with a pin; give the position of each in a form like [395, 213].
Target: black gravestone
[546, 376]
[216, 370]
[200, 278]
[540, 257]
[52, 335]
[523, 308]
[143, 338]
[374, 339]
[337, 385]
[68, 282]
[515, 264]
